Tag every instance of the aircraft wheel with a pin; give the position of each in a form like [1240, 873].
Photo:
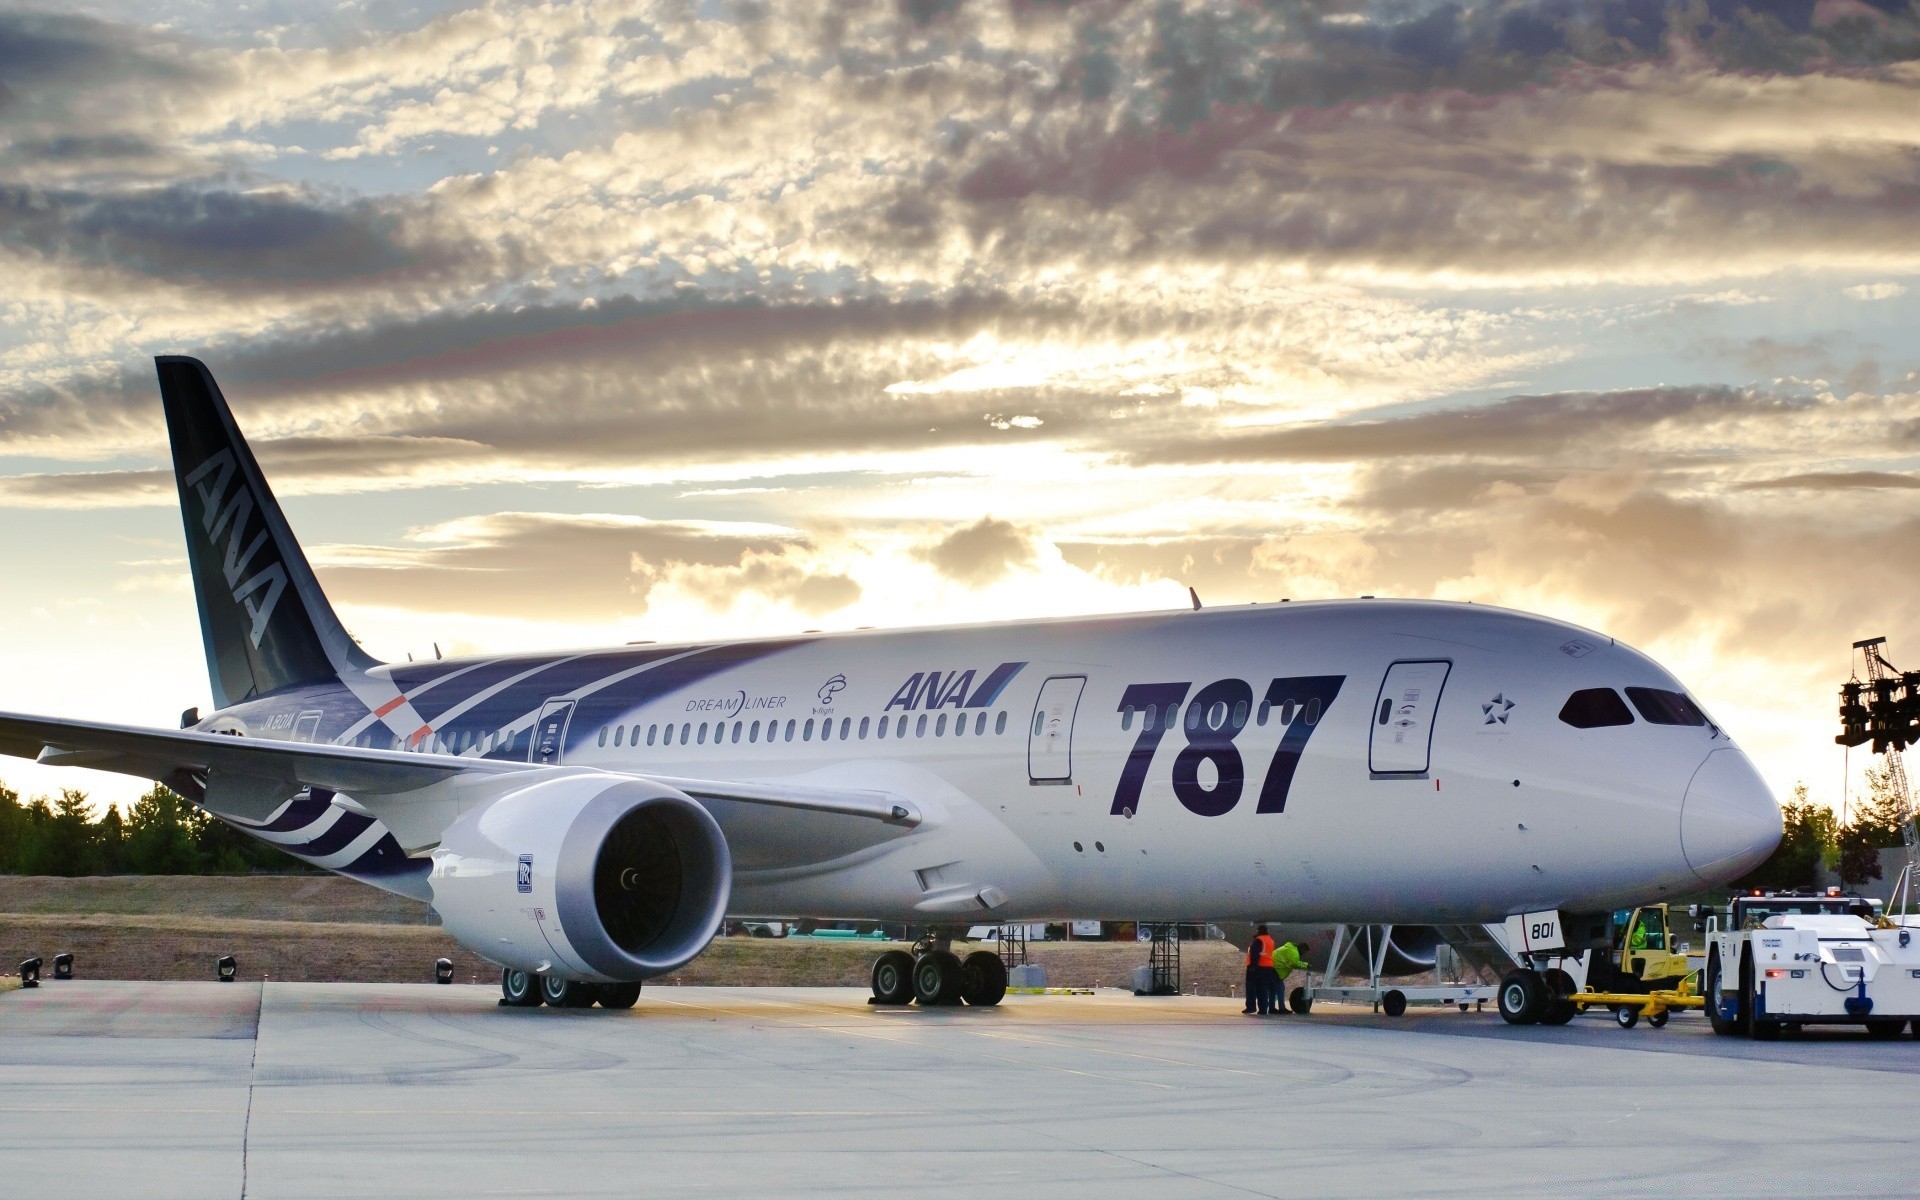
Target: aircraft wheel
[1394, 1003]
[1723, 1025]
[1560, 1007]
[1523, 996]
[937, 978]
[893, 978]
[1885, 1029]
[983, 979]
[1626, 1016]
[619, 995]
[1299, 1001]
[518, 990]
[562, 993]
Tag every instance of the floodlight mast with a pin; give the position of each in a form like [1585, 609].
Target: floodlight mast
[1885, 710]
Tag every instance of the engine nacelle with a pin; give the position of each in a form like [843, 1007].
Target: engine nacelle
[585, 877]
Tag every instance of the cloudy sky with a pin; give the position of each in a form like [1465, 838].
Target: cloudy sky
[592, 322]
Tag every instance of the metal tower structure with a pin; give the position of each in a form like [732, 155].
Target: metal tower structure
[1885, 710]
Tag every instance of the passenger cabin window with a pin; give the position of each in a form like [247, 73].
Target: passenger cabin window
[1665, 708]
[1593, 708]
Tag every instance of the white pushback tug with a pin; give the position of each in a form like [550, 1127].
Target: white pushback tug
[1784, 960]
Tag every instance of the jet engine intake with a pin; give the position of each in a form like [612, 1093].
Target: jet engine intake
[585, 876]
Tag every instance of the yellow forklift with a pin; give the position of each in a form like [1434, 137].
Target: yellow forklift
[1642, 974]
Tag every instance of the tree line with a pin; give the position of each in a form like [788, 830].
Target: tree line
[161, 834]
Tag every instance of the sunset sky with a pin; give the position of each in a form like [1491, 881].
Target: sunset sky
[592, 322]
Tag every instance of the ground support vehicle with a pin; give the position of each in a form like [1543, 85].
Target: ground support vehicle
[1629, 1007]
[1566, 966]
[1349, 940]
[1786, 960]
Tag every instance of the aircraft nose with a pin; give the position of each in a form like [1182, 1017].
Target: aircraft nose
[1729, 821]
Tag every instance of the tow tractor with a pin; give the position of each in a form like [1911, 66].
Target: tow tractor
[1645, 973]
[1634, 968]
[1784, 960]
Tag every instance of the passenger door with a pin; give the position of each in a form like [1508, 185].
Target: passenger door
[1402, 741]
[1050, 735]
[549, 741]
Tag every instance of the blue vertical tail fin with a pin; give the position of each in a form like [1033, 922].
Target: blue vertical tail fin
[264, 620]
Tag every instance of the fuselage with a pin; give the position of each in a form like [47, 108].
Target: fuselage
[1354, 760]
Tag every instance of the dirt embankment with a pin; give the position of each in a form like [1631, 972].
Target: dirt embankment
[248, 897]
[324, 928]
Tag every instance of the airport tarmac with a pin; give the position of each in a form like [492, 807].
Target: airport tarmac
[330, 1090]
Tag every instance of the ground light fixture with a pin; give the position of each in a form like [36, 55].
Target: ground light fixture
[30, 972]
[63, 965]
[443, 970]
[226, 968]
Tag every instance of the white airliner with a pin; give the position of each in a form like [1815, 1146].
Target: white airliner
[587, 820]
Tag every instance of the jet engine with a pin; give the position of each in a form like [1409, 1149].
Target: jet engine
[1411, 949]
[585, 876]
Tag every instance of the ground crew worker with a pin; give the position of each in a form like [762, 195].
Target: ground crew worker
[1260, 974]
[1286, 960]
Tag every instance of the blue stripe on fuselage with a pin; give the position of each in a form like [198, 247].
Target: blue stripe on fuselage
[610, 704]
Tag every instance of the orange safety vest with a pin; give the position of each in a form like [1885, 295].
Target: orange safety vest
[1260, 952]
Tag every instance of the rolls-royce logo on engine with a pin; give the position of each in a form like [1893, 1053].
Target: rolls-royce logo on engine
[525, 881]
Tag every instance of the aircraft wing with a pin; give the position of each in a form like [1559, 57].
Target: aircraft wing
[274, 770]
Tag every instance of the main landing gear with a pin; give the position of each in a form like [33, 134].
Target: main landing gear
[932, 975]
[523, 989]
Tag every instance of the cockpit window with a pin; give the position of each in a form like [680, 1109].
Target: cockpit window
[1666, 708]
[1591, 708]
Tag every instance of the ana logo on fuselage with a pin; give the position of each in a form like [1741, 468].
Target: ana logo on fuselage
[220, 515]
[953, 689]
